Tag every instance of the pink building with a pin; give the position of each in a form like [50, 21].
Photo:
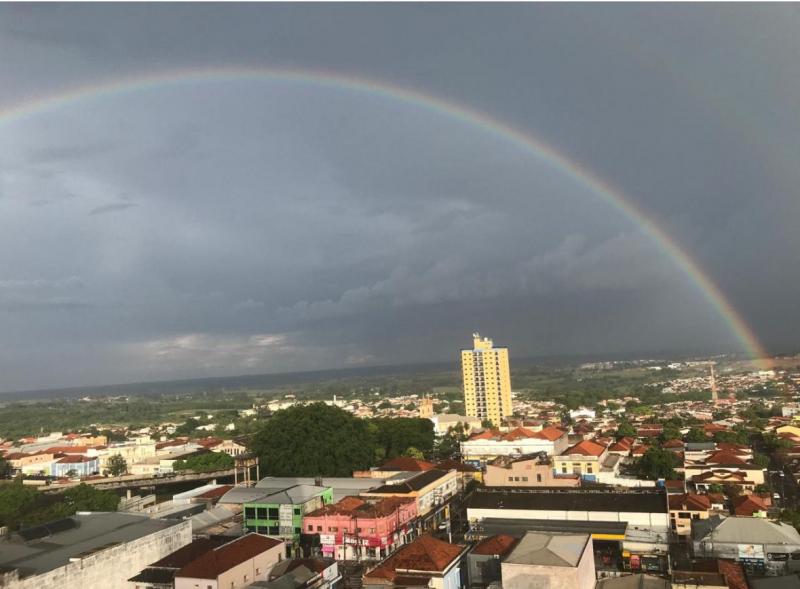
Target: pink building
[354, 527]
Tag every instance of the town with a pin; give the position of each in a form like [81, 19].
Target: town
[699, 489]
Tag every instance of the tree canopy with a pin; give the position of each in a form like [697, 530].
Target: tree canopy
[24, 506]
[311, 440]
[317, 439]
[655, 464]
[207, 462]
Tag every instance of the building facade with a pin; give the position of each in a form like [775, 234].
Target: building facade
[487, 381]
[281, 514]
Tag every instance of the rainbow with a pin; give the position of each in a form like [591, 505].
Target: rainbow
[482, 121]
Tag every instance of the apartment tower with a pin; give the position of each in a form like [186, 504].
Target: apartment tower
[487, 381]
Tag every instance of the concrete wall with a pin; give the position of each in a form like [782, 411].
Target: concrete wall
[633, 519]
[111, 568]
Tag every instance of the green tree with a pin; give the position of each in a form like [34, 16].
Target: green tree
[412, 452]
[696, 434]
[396, 435]
[86, 498]
[626, 430]
[206, 462]
[761, 460]
[117, 465]
[315, 439]
[655, 464]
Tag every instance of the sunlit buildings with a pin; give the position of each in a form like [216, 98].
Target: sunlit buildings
[487, 380]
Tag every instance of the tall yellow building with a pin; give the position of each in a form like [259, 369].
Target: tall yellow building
[487, 380]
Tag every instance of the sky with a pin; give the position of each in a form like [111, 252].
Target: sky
[229, 225]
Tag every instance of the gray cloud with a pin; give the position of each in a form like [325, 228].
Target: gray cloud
[294, 225]
[111, 208]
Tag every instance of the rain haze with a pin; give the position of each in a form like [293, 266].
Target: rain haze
[207, 190]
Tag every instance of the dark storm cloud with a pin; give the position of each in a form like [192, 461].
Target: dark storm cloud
[283, 226]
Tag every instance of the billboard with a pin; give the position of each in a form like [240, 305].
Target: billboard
[749, 552]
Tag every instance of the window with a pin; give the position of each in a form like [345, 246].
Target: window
[258, 571]
[538, 478]
[359, 530]
[297, 511]
[249, 513]
[333, 529]
[524, 479]
[274, 530]
[589, 468]
[261, 513]
[273, 513]
[297, 530]
[372, 530]
[564, 469]
[310, 528]
[510, 479]
[319, 528]
[516, 478]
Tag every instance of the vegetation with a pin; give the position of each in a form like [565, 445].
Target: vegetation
[23, 506]
[207, 462]
[318, 439]
[117, 465]
[656, 464]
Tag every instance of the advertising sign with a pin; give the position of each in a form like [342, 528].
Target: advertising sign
[751, 552]
[327, 539]
[286, 515]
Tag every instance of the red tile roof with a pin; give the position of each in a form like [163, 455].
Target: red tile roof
[747, 505]
[585, 448]
[518, 433]
[724, 457]
[689, 502]
[674, 443]
[216, 493]
[551, 433]
[406, 463]
[499, 544]
[68, 449]
[75, 459]
[215, 562]
[733, 573]
[455, 465]
[426, 553]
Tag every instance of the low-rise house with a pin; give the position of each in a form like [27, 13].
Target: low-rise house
[526, 471]
[74, 466]
[35, 463]
[555, 560]
[751, 505]
[583, 459]
[281, 514]
[756, 543]
[425, 562]
[431, 490]
[233, 565]
[354, 528]
[622, 447]
[490, 444]
[685, 508]
[161, 574]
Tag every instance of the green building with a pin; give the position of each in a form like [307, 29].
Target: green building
[281, 513]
